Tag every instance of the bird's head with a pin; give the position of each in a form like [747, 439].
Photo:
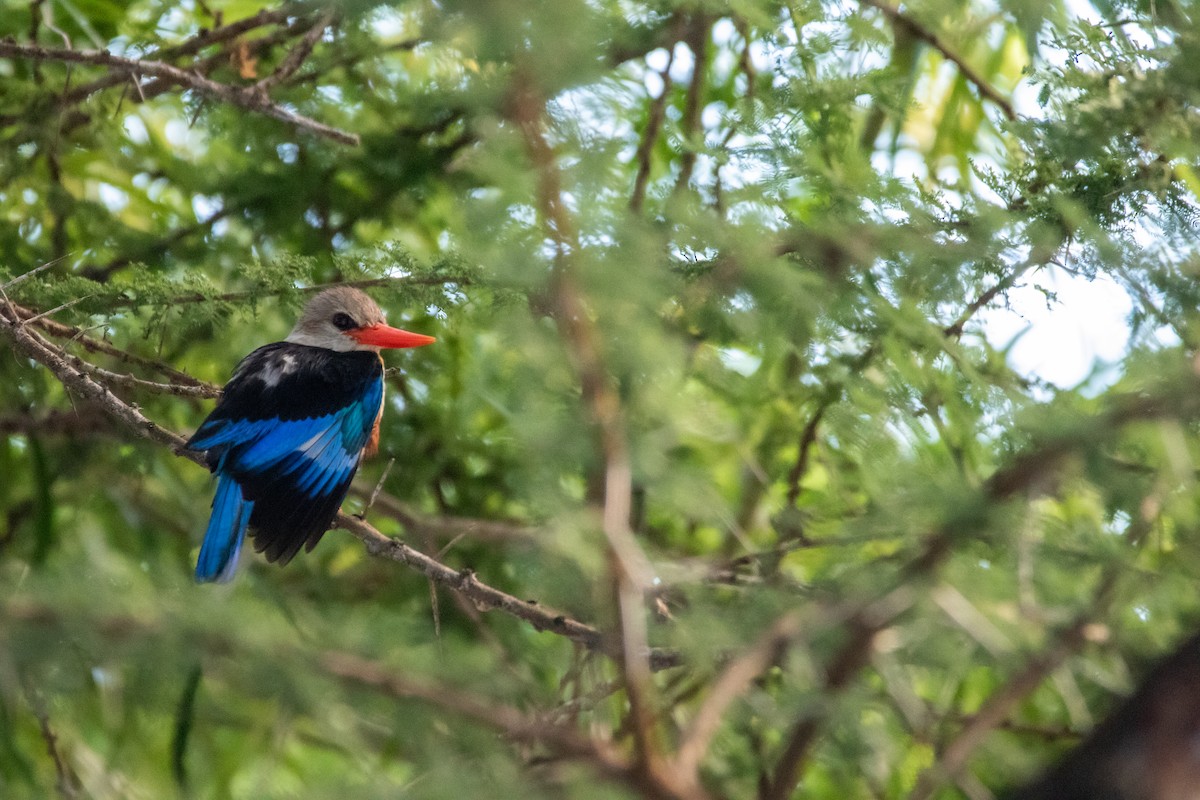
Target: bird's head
[344, 319]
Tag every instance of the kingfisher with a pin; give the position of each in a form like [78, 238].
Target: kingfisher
[291, 427]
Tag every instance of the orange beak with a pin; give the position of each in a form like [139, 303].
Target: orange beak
[384, 336]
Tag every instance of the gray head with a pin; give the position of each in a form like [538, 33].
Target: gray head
[343, 319]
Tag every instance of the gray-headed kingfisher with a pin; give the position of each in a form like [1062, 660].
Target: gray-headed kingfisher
[291, 427]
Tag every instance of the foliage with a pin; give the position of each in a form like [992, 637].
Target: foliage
[707, 281]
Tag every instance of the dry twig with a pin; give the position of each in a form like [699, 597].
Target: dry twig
[250, 98]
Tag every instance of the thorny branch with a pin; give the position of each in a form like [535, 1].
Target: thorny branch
[696, 39]
[192, 46]
[563, 740]
[953, 757]
[250, 98]
[631, 571]
[920, 32]
[1024, 475]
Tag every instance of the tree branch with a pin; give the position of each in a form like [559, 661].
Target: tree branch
[631, 572]
[565, 741]
[1025, 474]
[1000, 703]
[296, 58]
[733, 682]
[189, 47]
[919, 31]
[248, 98]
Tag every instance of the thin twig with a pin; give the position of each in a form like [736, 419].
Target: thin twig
[630, 570]
[295, 59]
[654, 121]
[919, 31]
[24, 276]
[379, 486]
[61, 307]
[733, 682]
[693, 136]
[248, 98]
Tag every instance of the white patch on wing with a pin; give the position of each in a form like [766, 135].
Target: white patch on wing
[276, 369]
[302, 448]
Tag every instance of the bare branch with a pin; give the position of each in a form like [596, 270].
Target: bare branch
[190, 47]
[485, 597]
[697, 41]
[654, 121]
[249, 98]
[631, 572]
[919, 31]
[296, 58]
[733, 682]
[24, 276]
[66, 782]
[562, 739]
[75, 334]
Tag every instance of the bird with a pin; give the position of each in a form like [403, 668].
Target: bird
[290, 429]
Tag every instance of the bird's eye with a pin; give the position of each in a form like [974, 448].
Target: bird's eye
[343, 322]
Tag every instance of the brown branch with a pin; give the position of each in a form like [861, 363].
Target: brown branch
[66, 781]
[190, 47]
[693, 137]
[485, 597]
[247, 98]
[745, 66]
[203, 66]
[920, 32]
[654, 121]
[808, 438]
[84, 420]
[299, 54]
[955, 329]
[1025, 474]
[110, 378]
[563, 740]
[733, 682]
[861, 629]
[953, 757]
[103, 272]
[93, 345]
[30, 344]
[994, 712]
[630, 570]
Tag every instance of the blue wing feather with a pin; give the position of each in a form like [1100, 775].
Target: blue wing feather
[226, 531]
[281, 470]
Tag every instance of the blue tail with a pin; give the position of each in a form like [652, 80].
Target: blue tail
[226, 530]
